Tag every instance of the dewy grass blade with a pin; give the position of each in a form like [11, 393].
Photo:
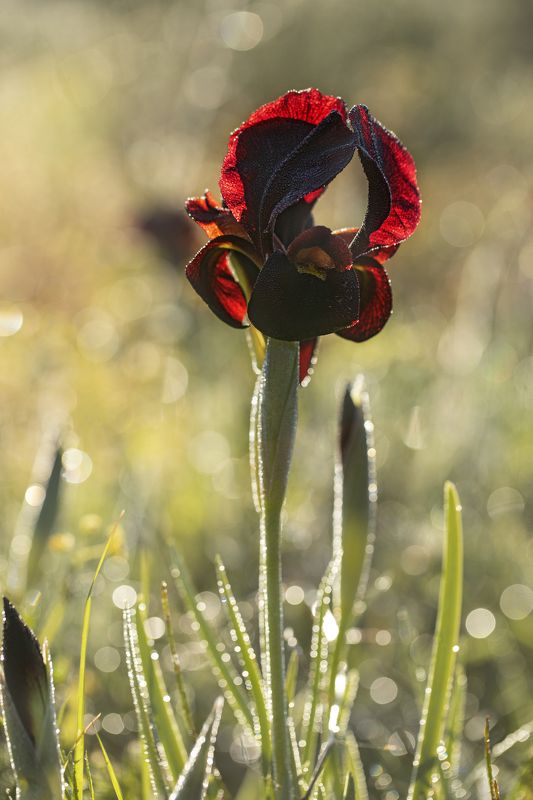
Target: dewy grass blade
[454, 725]
[193, 782]
[89, 777]
[355, 767]
[139, 692]
[319, 656]
[110, 770]
[79, 746]
[248, 658]
[164, 719]
[445, 647]
[224, 671]
[184, 700]
[291, 678]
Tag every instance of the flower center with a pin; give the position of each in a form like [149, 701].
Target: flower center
[313, 261]
[317, 251]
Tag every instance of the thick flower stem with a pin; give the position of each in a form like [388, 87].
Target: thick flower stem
[276, 432]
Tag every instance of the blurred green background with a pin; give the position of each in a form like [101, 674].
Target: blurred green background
[112, 111]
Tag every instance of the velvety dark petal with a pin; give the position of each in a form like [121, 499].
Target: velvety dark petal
[308, 359]
[375, 301]
[214, 219]
[381, 254]
[286, 151]
[393, 210]
[294, 220]
[293, 306]
[211, 276]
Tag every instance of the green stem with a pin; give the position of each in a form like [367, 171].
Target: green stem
[276, 658]
[277, 428]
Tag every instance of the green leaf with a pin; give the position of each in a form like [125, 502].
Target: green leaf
[110, 770]
[79, 747]
[356, 495]
[224, 670]
[319, 656]
[28, 710]
[46, 519]
[291, 678]
[355, 767]
[248, 659]
[455, 722]
[194, 780]
[164, 719]
[445, 647]
[141, 701]
[354, 519]
[184, 700]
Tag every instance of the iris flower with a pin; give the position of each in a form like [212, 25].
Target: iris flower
[267, 266]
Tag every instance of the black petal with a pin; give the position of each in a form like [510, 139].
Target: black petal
[291, 305]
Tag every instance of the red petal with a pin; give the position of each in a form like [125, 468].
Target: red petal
[210, 275]
[380, 255]
[287, 150]
[308, 359]
[393, 210]
[215, 220]
[375, 301]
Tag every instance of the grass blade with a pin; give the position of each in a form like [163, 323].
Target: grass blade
[224, 671]
[493, 783]
[110, 771]
[355, 767]
[184, 700]
[167, 726]
[456, 720]
[319, 655]
[444, 652]
[248, 658]
[141, 702]
[79, 747]
[194, 780]
[46, 519]
[291, 677]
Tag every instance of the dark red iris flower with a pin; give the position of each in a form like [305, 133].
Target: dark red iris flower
[266, 265]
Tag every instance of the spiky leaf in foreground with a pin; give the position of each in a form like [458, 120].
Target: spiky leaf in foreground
[28, 712]
[194, 780]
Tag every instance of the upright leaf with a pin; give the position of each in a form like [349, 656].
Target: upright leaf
[356, 496]
[194, 780]
[79, 747]
[164, 718]
[141, 701]
[445, 647]
[46, 519]
[28, 711]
